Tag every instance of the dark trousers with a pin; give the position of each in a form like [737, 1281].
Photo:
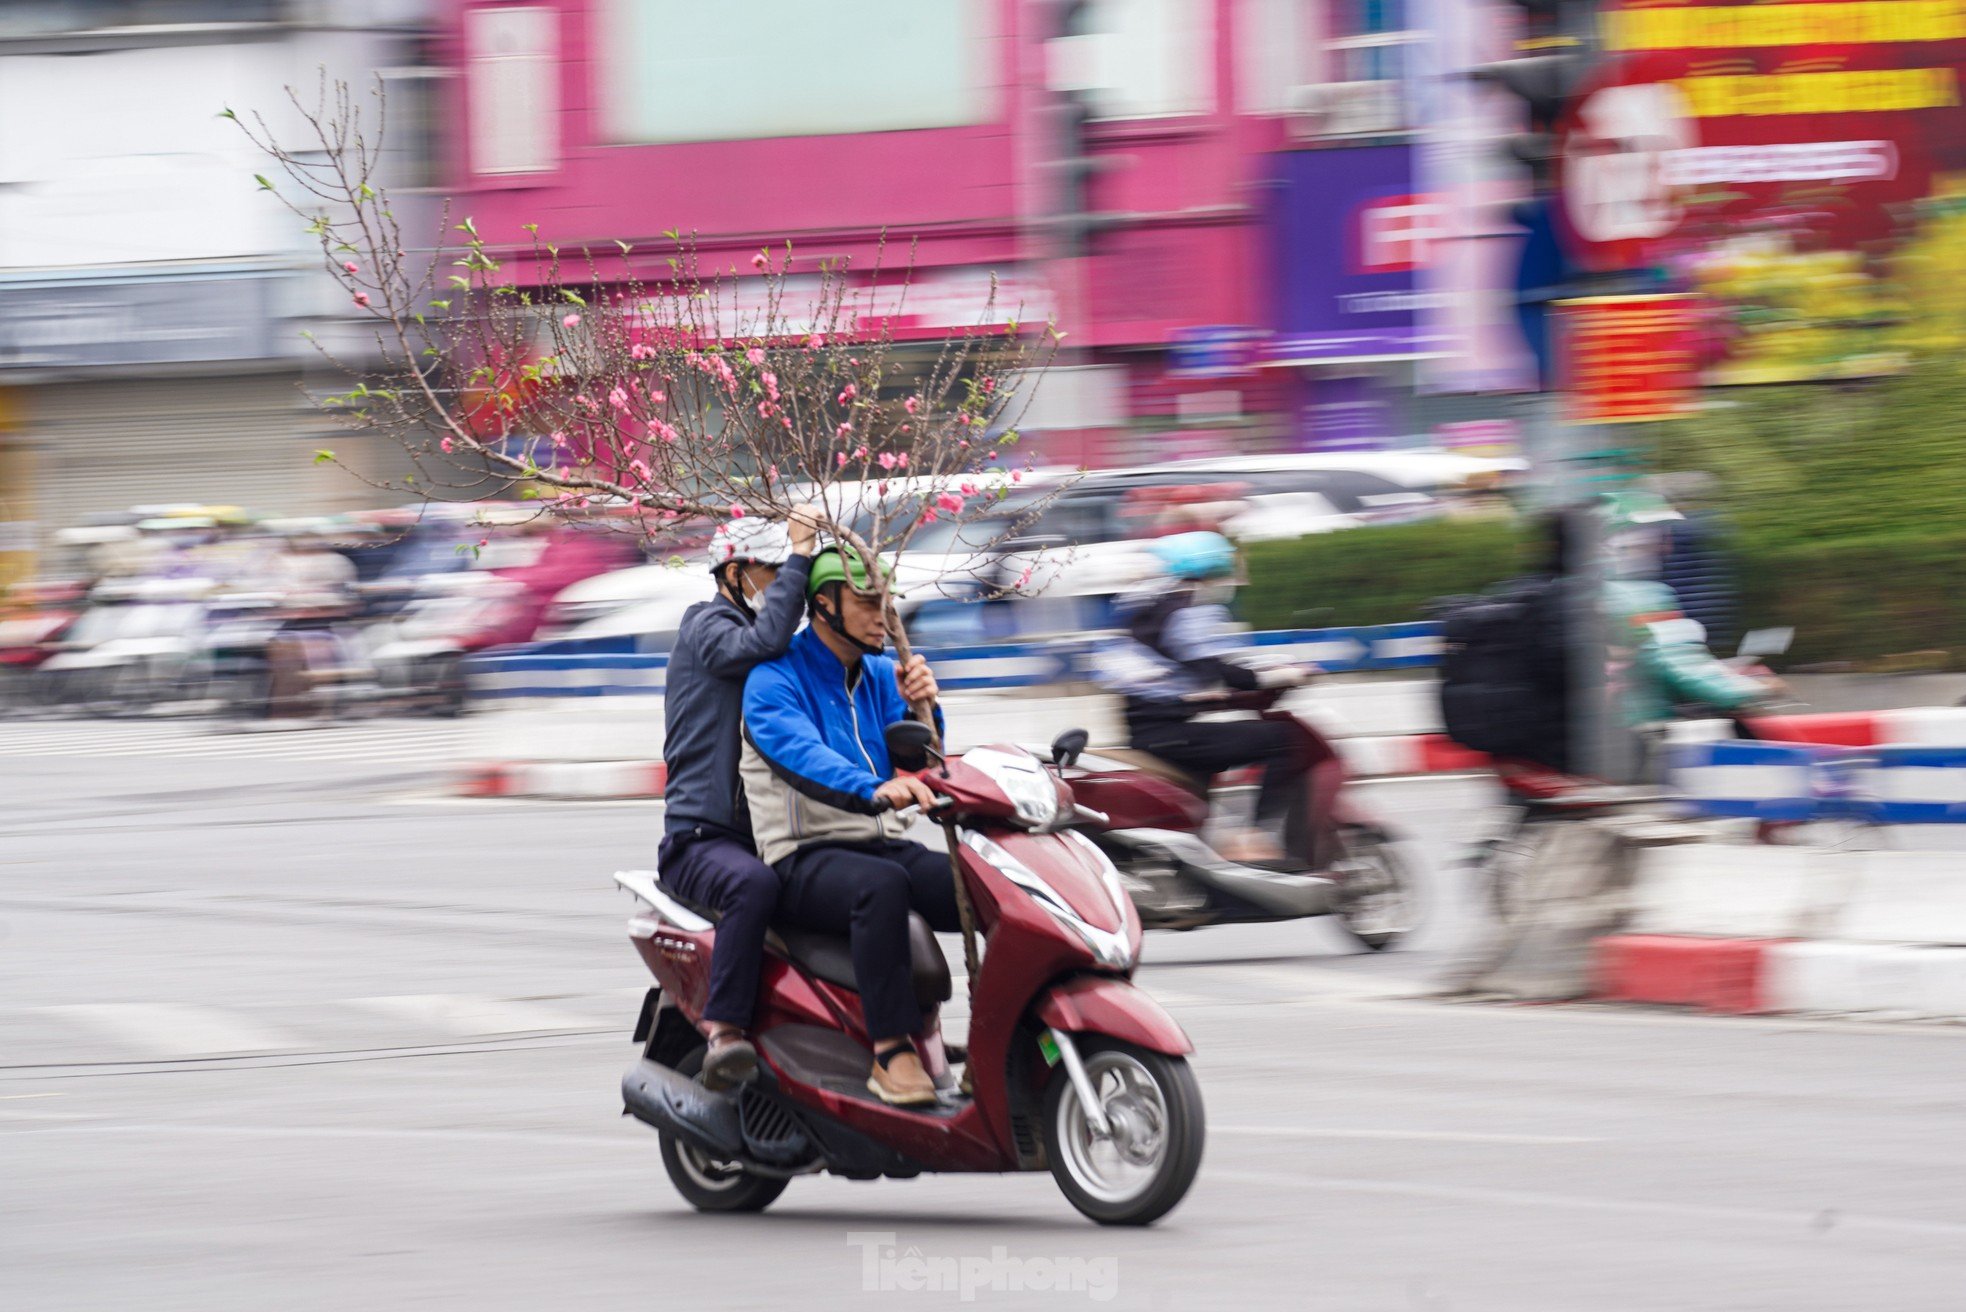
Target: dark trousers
[720, 872]
[865, 891]
[1208, 747]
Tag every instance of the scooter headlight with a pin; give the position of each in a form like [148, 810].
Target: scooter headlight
[1028, 785]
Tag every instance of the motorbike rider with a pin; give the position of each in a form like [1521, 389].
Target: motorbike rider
[821, 788]
[1658, 660]
[707, 856]
[1175, 667]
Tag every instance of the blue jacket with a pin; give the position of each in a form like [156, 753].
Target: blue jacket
[703, 693]
[814, 749]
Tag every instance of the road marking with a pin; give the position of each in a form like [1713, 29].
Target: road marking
[422, 742]
[1420, 1136]
[170, 1030]
[20, 1097]
[1808, 1222]
[608, 1142]
[470, 1016]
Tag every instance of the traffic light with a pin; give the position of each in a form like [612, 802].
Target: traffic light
[1554, 55]
[1544, 83]
[1072, 77]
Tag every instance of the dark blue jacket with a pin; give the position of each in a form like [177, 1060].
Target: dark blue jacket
[703, 696]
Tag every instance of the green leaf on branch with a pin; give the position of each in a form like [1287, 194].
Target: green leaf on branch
[572, 295]
[462, 284]
[264, 185]
[468, 226]
[226, 113]
[366, 192]
[625, 247]
[673, 234]
[324, 457]
[532, 228]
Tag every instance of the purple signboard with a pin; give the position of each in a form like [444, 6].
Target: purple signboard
[1352, 234]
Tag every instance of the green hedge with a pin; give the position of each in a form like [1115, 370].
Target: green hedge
[1849, 599]
[1375, 575]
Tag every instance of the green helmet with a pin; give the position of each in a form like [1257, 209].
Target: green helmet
[1637, 508]
[834, 565]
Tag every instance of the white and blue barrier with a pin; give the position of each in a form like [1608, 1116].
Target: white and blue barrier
[612, 667]
[1749, 780]
[1791, 782]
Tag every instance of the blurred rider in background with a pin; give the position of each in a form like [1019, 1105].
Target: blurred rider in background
[1178, 665]
[708, 855]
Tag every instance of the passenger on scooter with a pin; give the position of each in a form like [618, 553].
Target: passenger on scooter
[707, 853]
[821, 789]
[1177, 667]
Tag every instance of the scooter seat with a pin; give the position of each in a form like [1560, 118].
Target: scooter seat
[1148, 763]
[830, 957]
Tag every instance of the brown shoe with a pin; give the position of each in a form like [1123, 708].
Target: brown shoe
[730, 1061]
[900, 1079]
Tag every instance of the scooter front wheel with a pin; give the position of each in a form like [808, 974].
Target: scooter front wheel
[709, 1185]
[1142, 1167]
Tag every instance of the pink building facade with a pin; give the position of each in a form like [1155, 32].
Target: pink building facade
[936, 123]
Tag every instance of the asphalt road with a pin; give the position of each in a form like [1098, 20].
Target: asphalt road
[283, 1029]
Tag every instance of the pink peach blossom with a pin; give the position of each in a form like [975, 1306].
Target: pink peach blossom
[989, 386]
[755, 355]
[912, 404]
[844, 430]
[1016, 475]
[904, 460]
[571, 321]
[445, 445]
[362, 299]
[880, 488]
[840, 460]
[887, 460]
[618, 399]
[930, 516]
[736, 511]
[759, 261]
[950, 502]
[847, 393]
[349, 266]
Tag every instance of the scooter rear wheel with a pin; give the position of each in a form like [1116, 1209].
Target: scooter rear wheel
[1376, 899]
[712, 1186]
[1143, 1168]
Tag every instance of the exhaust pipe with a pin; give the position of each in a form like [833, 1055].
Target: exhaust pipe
[1273, 892]
[678, 1105]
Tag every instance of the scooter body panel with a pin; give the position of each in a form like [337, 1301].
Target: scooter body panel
[1098, 1004]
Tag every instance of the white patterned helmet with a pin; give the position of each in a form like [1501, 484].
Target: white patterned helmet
[760, 541]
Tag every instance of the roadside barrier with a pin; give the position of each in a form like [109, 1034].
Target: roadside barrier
[610, 667]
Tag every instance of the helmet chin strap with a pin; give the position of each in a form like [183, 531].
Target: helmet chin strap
[734, 589]
[830, 618]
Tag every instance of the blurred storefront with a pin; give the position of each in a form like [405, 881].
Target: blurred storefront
[152, 296]
[1353, 236]
[157, 389]
[934, 128]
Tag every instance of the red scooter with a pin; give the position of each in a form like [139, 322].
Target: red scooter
[1071, 1067]
[1340, 861]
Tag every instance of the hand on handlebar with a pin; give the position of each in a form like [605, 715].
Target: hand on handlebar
[1286, 676]
[905, 790]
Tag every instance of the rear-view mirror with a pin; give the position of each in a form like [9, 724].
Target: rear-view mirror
[1067, 747]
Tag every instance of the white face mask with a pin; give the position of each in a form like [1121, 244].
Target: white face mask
[1215, 592]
